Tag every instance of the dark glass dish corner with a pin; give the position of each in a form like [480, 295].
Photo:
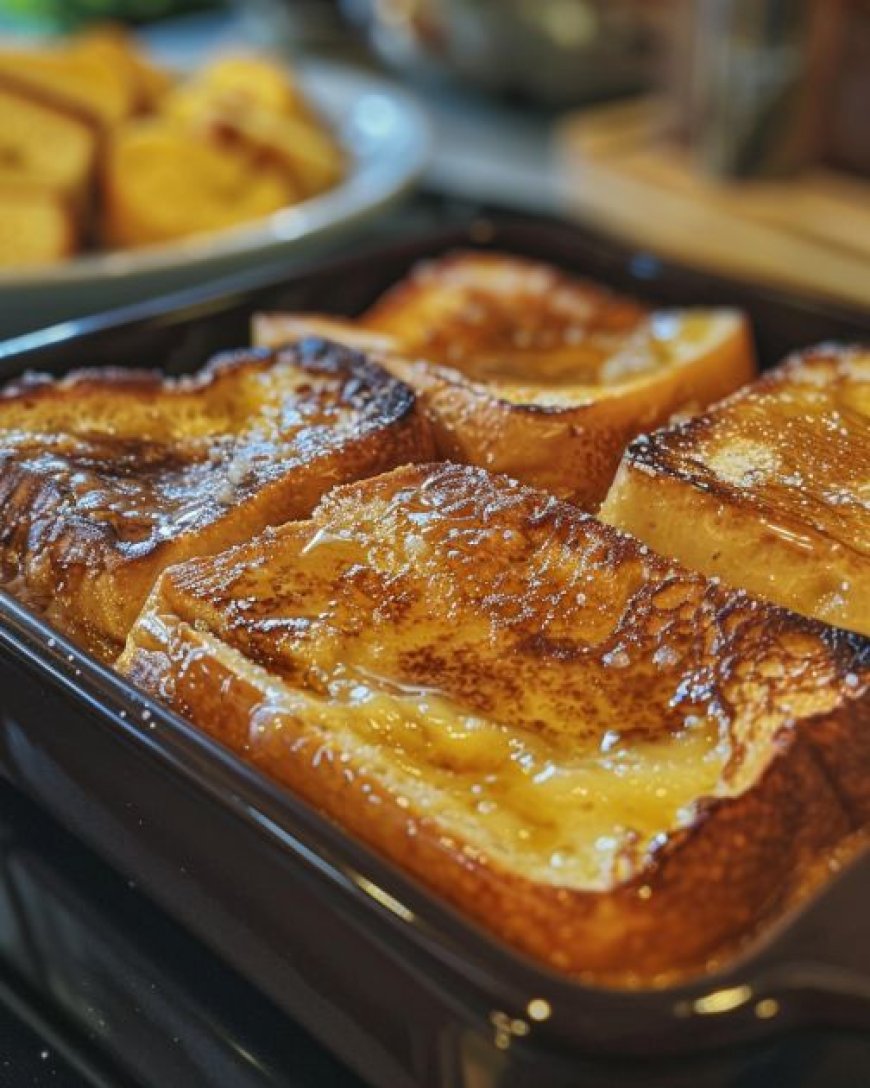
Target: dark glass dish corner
[401, 987]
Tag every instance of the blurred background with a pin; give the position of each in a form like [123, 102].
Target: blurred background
[728, 134]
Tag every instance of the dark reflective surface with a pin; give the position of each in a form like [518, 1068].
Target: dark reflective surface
[30, 1056]
[99, 987]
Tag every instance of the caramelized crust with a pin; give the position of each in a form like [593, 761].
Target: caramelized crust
[616, 765]
[546, 377]
[528, 371]
[108, 476]
[770, 489]
[507, 319]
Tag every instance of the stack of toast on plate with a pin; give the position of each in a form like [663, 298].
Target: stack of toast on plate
[99, 147]
[536, 590]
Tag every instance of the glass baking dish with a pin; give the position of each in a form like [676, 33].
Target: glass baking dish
[401, 987]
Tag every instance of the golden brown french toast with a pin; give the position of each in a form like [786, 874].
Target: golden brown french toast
[44, 149]
[252, 104]
[615, 764]
[111, 45]
[159, 183]
[526, 370]
[101, 75]
[143, 158]
[769, 490]
[74, 78]
[233, 143]
[106, 477]
[36, 227]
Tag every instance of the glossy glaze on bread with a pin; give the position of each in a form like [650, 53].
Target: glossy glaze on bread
[106, 477]
[507, 319]
[770, 489]
[525, 370]
[617, 766]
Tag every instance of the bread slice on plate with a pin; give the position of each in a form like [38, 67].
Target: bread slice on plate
[616, 765]
[44, 148]
[107, 477]
[769, 490]
[161, 182]
[109, 45]
[73, 78]
[276, 330]
[252, 103]
[36, 227]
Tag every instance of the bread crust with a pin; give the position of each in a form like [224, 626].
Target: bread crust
[780, 471]
[106, 477]
[446, 581]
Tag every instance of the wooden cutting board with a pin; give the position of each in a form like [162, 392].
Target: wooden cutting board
[619, 170]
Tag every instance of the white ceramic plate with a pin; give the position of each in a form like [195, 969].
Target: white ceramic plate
[387, 138]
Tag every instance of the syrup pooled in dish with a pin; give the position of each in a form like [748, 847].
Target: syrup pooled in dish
[106, 477]
[571, 739]
[770, 489]
[526, 370]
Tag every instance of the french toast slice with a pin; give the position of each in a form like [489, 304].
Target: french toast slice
[276, 330]
[75, 77]
[36, 227]
[107, 477]
[769, 490]
[111, 45]
[44, 148]
[161, 182]
[532, 372]
[254, 104]
[614, 764]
